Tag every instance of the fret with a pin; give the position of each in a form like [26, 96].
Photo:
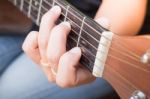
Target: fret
[21, 6]
[91, 31]
[39, 11]
[25, 7]
[84, 60]
[85, 49]
[29, 10]
[34, 10]
[15, 2]
[85, 40]
[34, 14]
[65, 17]
[80, 31]
[53, 3]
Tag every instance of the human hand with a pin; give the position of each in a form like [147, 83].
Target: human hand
[47, 47]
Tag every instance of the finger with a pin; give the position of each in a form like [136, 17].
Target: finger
[103, 22]
[69, 73]
[30, 46]
[47, 23]
[57, 43]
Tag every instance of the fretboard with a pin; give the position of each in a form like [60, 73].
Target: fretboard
[85, 32]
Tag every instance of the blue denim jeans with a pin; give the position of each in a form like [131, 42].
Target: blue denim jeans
[22, 79]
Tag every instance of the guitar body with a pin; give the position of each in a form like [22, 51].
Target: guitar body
[131, 75]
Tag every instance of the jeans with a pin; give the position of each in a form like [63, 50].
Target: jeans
[22, 79]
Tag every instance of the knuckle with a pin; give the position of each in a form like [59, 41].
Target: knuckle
[52, 59]
[53, 56]
[42, 43]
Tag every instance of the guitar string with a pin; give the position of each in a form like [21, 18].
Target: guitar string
[131, 84]
[124, 61]
[93, 29]
[108, 55]
[99, 59]
[88, 33]
[86, 24]
[99, 43]
[103, 44]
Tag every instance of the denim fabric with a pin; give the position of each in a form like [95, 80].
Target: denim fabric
[10, 48]
[24, 80]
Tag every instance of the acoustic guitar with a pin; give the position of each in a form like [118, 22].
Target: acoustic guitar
[123, 61]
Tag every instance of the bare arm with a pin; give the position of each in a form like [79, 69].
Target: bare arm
[125, 16]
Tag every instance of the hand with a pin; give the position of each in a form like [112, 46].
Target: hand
[47, 47]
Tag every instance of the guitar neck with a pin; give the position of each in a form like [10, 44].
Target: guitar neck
[86, 37]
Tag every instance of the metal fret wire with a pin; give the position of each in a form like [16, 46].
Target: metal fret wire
[15, 2]
[65, 19]
[114, 57]
[29, 11]
[39, 11]
[128, 63]
[21, 6]
[79, 37]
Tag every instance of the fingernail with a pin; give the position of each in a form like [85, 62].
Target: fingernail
[66, 24]
[103, 22]
[56, 9]
[75, 50]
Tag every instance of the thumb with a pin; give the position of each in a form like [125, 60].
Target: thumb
[104, 22]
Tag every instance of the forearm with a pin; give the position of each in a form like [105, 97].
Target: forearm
[125, 16]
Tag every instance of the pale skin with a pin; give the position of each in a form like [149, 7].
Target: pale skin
[48, 45]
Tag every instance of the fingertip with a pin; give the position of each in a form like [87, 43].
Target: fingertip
[67, 24]
[30, 41]
[56, 9]
[75, 50]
